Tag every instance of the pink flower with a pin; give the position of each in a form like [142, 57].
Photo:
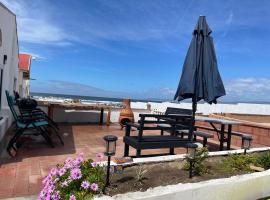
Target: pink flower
[56, 195]
[75, 174]
[62, 171]
[50, 189]
[42, 194]
[69, 160]
[47, 180]
[53, 172]
[94, 164]
[94, 187]
[48, 197]
[99, 156]
[68, 163]
[72, 197]
[81, 155]
[85, 185]
[77, 162]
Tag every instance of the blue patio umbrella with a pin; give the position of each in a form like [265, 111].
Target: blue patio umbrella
[200, 79]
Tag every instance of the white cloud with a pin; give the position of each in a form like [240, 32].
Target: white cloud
[34, 25]
[248, 89]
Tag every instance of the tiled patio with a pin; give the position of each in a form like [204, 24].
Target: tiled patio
[22, 175]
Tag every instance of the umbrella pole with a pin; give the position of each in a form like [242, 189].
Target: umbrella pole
[194, 109]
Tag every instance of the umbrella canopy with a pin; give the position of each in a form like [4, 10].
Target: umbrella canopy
[200, 77]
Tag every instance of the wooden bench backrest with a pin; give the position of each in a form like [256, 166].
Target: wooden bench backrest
[171, 110]
[183, 122]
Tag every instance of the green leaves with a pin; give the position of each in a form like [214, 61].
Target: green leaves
[200, 156]
[263, 160]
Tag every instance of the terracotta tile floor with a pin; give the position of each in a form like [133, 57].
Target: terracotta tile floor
[22, 175]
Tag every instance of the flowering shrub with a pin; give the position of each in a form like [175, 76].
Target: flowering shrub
[75, 179]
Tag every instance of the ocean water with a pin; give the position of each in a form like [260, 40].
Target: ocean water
[88, 99]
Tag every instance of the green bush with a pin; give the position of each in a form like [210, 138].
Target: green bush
[199, 168]
[263, 160]
[237, 162]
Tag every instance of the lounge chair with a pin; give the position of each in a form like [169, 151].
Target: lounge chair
[30, 122]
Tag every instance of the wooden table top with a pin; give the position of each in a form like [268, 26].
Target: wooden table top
[216, 120]
[77, 106]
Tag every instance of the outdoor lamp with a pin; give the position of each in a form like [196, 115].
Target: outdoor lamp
[246, 142]
[109, 151]
[191, 153]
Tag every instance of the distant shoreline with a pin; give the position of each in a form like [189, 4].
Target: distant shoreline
[90, 98]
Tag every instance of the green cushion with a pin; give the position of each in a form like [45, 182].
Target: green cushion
[40, 123]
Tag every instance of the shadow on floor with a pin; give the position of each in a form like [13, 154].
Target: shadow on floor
[36, 146]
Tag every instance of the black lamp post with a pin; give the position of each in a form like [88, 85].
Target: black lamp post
[191, 153]
[246, 142]
[109, 151]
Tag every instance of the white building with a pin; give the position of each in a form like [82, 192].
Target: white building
[24, 74]
[9, 72]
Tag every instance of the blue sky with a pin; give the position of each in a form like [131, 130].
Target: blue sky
[136, 48]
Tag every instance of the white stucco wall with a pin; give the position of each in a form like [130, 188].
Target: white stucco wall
[205, 108]
[243, 187]
[10, 69]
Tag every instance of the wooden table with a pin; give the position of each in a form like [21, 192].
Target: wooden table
[223, 122]
[79, 106]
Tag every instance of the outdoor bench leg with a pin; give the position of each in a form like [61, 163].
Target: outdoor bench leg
[229, 137]
[126, 150]
[171, 151]
[204, 142]
[138, 153]
[221, 137]
[101, 116]
[161, 132]
[182, 135]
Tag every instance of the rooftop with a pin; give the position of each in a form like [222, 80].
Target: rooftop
[24, 62]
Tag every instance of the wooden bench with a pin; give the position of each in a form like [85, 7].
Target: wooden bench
[142, 141]
[234, 133]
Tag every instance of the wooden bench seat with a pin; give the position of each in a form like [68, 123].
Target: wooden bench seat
[154, 142]
[204, 135]
[234, 133]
